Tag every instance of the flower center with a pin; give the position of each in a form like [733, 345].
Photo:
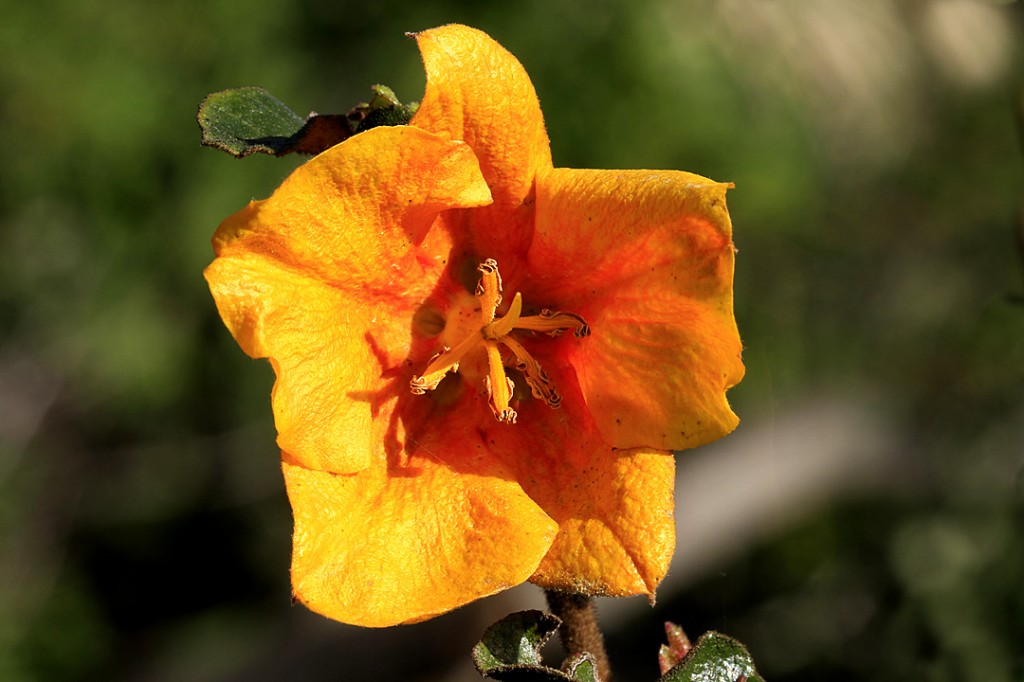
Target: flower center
[494, 335]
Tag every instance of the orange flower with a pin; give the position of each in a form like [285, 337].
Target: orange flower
[483, 362]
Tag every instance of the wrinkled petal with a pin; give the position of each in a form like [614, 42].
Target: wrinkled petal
[359, 215]
[325, 282]
[614, 508]
[646, 257]
[402, 543]
[316, 338]
[619, 543]
[478, 92]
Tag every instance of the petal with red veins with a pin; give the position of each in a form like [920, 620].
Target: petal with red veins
[646, 257]
[614, 508]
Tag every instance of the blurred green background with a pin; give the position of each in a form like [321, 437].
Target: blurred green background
[865, 522]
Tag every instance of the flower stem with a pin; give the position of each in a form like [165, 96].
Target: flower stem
[579, 631]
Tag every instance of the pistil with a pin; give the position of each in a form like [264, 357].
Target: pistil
[494, 333]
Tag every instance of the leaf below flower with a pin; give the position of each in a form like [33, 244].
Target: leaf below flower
[510, 651]
[715, 658]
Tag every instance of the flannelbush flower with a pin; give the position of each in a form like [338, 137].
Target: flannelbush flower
[483, 362]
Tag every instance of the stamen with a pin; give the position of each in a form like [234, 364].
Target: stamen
[499, 386]
[492, 334]
[442, 363]
[536, 378]
[554, 323]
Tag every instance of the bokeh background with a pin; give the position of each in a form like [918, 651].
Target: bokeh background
[866, 521]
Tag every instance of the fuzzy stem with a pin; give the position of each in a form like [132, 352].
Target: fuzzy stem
[579, 631]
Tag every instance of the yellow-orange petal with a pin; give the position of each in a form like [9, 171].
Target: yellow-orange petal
[359, 215]
[317, 338]
[646, 257]
[614, 509]
[324, 277]
[382, 547]
[618, 542]
[478, 92]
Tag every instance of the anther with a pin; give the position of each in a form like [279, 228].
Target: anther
[489, 289]
[536, 378]
[554, 322]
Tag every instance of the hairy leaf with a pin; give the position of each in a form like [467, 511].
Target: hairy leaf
[715, 658]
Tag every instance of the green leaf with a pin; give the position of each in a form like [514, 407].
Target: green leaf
[516, 639]
[581, 668]
[527, 673]
[510, 651]
[250, 120]
[715, 658]
[383, 110]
